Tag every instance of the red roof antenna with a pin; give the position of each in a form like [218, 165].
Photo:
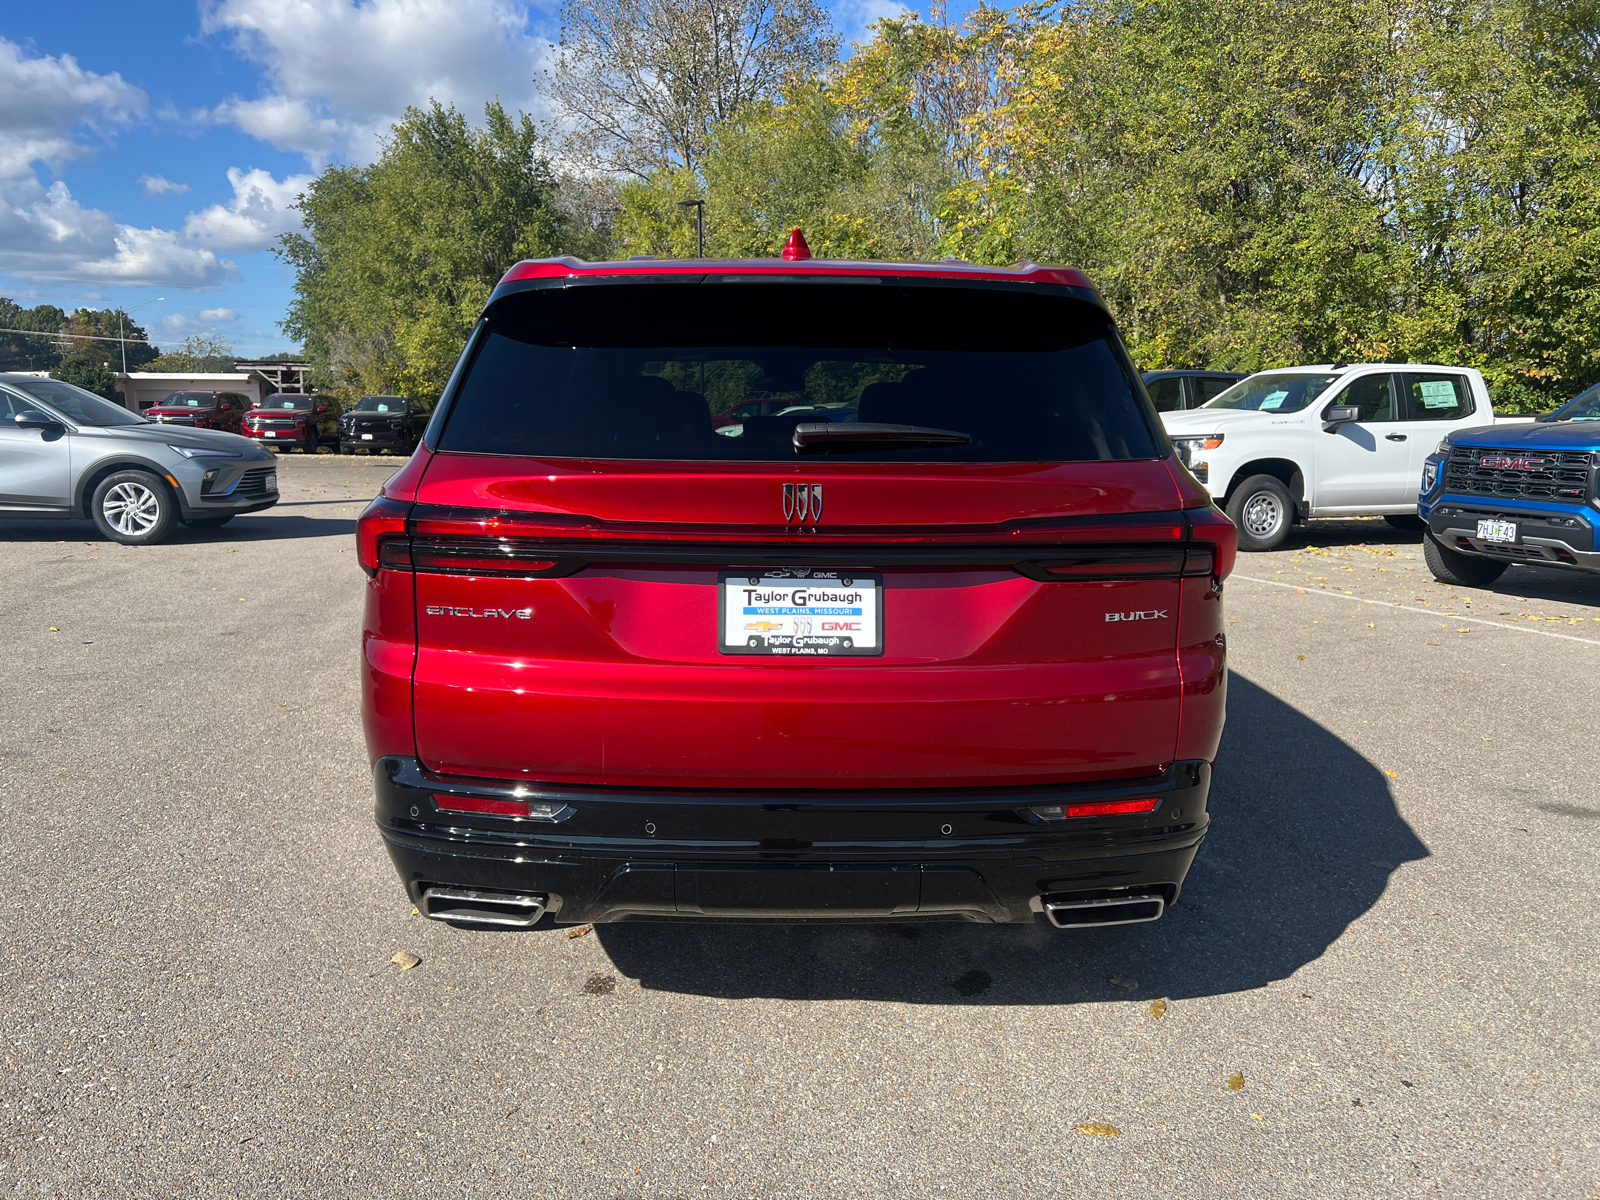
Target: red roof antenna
[795, 249]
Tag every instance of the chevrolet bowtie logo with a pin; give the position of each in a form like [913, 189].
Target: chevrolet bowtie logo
[802, 502]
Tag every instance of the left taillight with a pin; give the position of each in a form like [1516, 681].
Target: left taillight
[1208, 525]
[381, 539]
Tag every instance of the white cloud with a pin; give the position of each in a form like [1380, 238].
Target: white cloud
[46, 234]
[260, 211]
[219, 315]
[155, 185]
[857, 16]
[341, 71]
[44, 101]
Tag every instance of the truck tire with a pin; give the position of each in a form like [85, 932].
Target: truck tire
[1408, 523]
[133, 507]
[1463, 570]
[1263, 510]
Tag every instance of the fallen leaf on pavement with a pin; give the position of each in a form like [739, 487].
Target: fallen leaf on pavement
[1257, 1117]
[580, 931]
[1122, 981]
[1299, 656]
[1100, 1129]
[1392, 774]
[1236, 1081]
[405, 960]
[1158, 1009]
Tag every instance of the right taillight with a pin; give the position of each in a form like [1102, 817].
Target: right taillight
[381, 534]
[1094, 808]
[1209, 527]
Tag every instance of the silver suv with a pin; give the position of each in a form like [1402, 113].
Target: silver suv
[65, 452]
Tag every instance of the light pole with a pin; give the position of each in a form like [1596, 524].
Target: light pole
[122, 328]
[699, 207]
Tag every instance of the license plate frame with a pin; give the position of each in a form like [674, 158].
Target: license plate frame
[1497, 531]
[814, 641]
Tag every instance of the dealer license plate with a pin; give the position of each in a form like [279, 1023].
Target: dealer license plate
[1492, 530]
[270, 433]
[366, 437]
[799, 612]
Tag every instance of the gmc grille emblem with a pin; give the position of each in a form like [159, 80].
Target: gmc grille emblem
[802, 502]
[1503, 462]
[1149, 614]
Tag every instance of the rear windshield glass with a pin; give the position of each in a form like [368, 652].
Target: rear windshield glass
[725, 371]
[1273, 393]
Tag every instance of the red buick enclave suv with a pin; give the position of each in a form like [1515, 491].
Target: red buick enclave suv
[954, 651]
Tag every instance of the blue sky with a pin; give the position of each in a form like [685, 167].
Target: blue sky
[148, 154]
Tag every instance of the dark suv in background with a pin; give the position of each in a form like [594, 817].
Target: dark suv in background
[1175, 391]
[382, 423]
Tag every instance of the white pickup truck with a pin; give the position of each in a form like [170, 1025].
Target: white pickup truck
[1326, 441]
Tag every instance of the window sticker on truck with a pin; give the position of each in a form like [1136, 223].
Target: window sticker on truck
[1438, 393]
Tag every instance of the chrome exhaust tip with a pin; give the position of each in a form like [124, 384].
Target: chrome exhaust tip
[1069, 913]
[482, 908]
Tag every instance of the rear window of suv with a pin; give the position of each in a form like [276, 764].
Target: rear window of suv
[725, 371]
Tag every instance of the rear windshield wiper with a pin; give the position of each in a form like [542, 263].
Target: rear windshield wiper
[824, 435]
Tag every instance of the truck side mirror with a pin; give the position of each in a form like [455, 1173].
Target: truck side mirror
[1340, 414]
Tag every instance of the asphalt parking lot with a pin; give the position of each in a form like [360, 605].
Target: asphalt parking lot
[1388, 941]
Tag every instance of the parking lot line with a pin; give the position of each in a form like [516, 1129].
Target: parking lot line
[1427, 612]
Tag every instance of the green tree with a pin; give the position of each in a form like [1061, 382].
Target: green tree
[201, 354]
[23, 352]
[396, 259]
[91, 374]
[88, 329]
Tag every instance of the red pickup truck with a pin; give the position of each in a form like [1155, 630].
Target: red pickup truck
[959, 659]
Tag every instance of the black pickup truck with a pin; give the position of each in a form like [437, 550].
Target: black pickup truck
[382, 423]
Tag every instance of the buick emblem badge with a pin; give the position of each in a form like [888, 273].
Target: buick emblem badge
[802, 502]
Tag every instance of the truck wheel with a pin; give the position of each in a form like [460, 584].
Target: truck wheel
[1408, 523]
[1463, 570]
[133, 507]
[310, 446]
[1264, 512]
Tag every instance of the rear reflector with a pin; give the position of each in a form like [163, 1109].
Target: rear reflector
[482, 804]
[529, 810]
[1094, 808]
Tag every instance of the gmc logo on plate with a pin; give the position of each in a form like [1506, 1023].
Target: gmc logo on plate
[1149, 614]
[1501, 462]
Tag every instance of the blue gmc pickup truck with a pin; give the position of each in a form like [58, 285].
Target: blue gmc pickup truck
[1498, 495]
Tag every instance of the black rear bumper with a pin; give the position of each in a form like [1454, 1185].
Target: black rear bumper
[959, 854]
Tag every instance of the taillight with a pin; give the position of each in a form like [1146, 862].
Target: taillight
[1207, 525]
[1094, 808]
[489, 556]
[380, 526]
